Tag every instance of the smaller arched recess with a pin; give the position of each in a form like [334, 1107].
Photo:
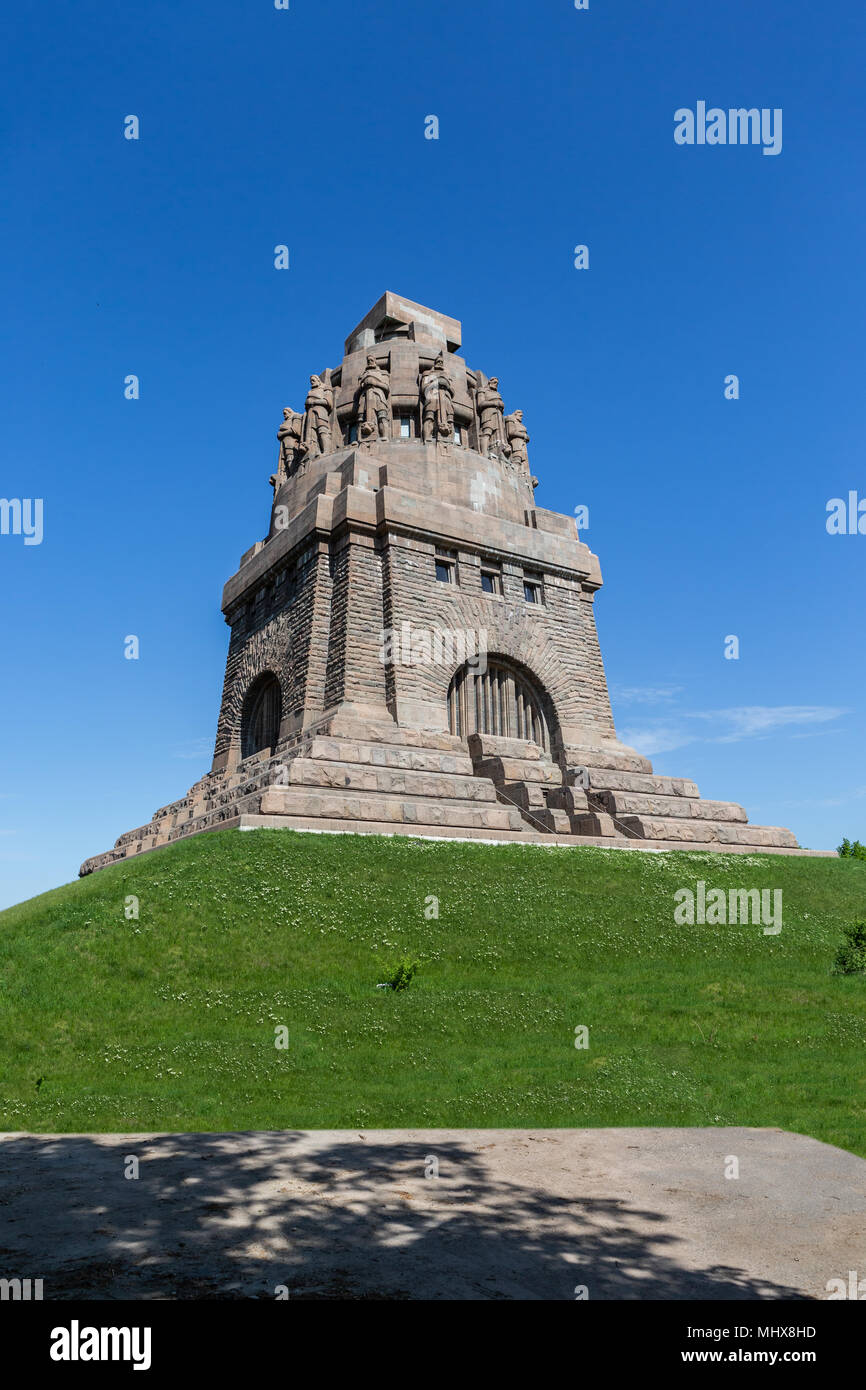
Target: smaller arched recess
[261, 715]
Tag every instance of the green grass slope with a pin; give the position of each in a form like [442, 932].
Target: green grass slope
[168, 1022]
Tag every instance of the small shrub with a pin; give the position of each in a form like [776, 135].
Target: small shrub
[851, 956]
[851, 849]
[403, 973]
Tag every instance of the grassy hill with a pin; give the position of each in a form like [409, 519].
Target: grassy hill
[167, 1022]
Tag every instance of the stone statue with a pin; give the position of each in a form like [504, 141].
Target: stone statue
[437, 403]
[518, 438]
[491, 410]
[373, 411]
[289, 435]
[319, 406]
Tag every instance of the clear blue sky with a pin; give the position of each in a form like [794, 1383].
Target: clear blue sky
[306, 127]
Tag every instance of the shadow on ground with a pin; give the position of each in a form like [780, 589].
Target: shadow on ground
[328, 1216]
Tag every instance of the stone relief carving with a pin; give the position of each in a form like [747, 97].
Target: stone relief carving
[319, 408]
[492, 438]
[437, 403]
[374, 412]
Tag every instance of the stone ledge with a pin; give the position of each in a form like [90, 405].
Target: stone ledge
[328, 748]
[525, 837]
[396, 808]
[720, 833]
[331, 775]
[330, 826]
[667, 807]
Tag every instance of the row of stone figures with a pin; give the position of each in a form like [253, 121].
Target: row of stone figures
[303, 436]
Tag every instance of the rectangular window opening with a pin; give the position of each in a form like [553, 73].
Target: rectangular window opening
[446, 565]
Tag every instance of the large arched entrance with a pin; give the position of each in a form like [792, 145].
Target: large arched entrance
[500, 701]
[262, 711]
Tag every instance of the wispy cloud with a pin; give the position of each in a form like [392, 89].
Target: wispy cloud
[749, 720]
[730, 725]
[643, 694]
[856, 795]
[651, 739]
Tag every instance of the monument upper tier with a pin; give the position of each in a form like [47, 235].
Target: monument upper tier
[403, 401]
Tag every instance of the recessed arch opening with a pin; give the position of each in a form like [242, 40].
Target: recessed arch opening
[261, 715]
[501, 701]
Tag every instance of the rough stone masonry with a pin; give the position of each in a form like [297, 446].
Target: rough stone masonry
[404, 508]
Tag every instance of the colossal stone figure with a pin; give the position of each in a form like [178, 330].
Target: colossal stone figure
[437, 402]
[491, 409]
[319, 407]
[373, 410]
[289, 435]
[518, 438]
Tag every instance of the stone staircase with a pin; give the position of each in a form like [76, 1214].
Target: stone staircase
[527, 778]
[626, 798]
[348, 775]
[613, 794]
[356, 774]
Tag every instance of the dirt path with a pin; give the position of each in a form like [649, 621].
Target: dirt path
[627, 1213]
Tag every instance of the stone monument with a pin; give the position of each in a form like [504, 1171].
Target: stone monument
[412, 646]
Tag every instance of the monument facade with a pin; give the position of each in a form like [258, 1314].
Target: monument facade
[413, 646]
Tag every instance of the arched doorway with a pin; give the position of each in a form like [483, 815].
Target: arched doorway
[499, 701]
[260, 721]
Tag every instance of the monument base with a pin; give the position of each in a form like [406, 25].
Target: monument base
[351, 773]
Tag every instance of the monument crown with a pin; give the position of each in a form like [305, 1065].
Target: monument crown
[392, 316]
[403, 407]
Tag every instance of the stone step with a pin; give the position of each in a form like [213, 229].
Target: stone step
[622, 804]
[394, 808]
[320, 772]
[376, 731]
[368, 772]
[546, 820]
[533, 800]
[597, 823]
[554, 806]
[707, 831]
[206, 794]
[324, 753]
[492, 746]
[529, 796]
[524, 835]
[408, 756]
[610, 779]
[616, 757]
[572, 800]
[501, 770]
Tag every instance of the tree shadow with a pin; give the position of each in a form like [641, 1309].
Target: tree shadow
[328, 1216]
